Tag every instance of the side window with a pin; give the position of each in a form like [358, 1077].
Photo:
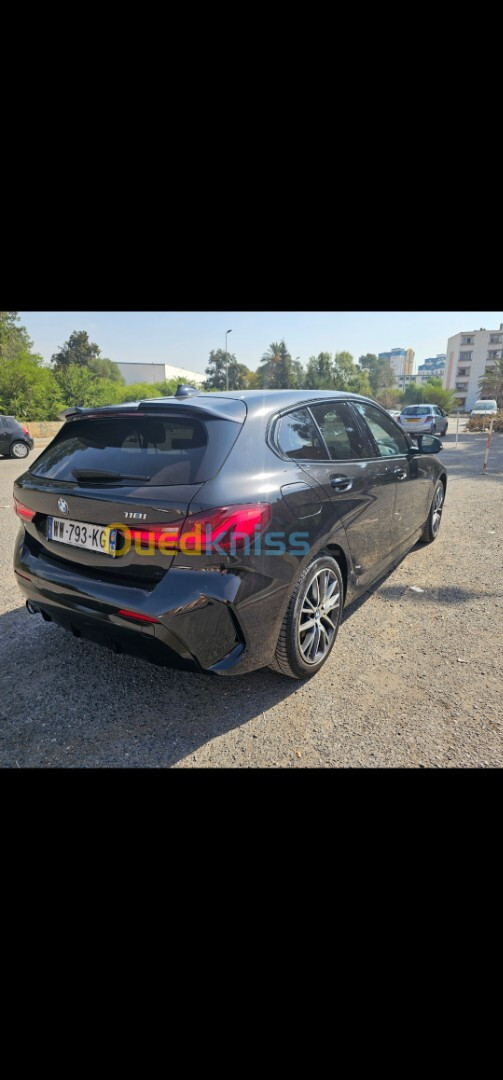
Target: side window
[340, 431]
[298, 438]
[390, 440]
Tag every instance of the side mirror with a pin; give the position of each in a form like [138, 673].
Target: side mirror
[428, 444]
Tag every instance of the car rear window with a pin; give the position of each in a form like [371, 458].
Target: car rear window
[160, 450]
[418, 410]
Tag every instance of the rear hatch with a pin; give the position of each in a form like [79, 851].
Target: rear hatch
[125, 479]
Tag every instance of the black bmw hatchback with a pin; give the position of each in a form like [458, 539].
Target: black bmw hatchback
[222, 532]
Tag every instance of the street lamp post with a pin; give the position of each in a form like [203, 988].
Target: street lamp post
[227, 360]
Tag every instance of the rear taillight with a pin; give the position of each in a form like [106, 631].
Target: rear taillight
[231, 527]
[23, 511]
[164, 538]
[25, 429]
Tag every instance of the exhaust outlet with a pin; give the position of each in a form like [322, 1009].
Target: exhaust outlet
[31, 609]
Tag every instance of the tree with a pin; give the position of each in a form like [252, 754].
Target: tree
[80, 386]
[28, 390]
[491, 384]
[413, 394]
[106, 369]
[347, 376]
[298, 375]
[252, 380]
[380, 372]
[140, 390]
[166, 388]
[390, 397]
[435, 394]
[360, 383]
[13, 339]
[224, 372]
[319, 373]
[275, 371]
[77, 350]
[432, 392]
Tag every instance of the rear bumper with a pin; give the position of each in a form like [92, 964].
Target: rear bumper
[197, 628]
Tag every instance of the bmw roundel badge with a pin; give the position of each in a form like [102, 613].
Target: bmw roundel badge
[63, 506]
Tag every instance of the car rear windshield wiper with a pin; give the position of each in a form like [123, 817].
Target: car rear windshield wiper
[102, 474]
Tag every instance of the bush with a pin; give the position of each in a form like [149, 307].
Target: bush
[481, 423]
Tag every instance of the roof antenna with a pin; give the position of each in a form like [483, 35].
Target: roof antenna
[184, 390]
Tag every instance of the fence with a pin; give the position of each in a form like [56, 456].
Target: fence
[43, 429]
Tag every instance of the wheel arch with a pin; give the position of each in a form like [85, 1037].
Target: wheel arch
[337, 553]
[18, 440]
[443, 477]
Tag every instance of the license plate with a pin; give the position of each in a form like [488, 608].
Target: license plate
[83, 535]
[413, 419]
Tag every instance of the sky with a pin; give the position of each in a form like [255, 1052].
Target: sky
[185, 338]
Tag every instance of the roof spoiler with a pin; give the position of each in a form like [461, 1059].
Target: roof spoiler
[161, 405]
[75, 410]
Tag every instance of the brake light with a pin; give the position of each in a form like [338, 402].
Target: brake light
[136, 615]
[231, 527]
[162, 537]
[25, 429]
[23, 511]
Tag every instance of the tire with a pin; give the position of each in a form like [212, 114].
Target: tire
[301, 653]
[19, 449]
[445, 430]
[431, 529]
[433, 429]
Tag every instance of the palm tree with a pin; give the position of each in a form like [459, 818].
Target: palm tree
[491, 384]
[276, 368]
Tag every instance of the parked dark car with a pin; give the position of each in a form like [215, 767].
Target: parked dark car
[222, 532]
[15, 440]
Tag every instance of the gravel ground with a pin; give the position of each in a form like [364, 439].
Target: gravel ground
[414, 679]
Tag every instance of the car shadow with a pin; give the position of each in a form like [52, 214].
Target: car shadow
[67, 702]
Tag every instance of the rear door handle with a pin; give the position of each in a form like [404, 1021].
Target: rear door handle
[341, 483]
[401, 474]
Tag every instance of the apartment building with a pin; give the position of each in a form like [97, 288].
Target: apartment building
[433, 367]
[402, 381]
[401, 360]
[470, 355]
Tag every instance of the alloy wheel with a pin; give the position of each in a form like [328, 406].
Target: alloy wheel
[436, 510]
[319, 616]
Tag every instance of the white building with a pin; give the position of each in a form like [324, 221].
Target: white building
[402, 381]
[155, 373]
[469, 356]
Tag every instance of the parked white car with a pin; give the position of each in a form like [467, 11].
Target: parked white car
[485, 407]
[419, 419]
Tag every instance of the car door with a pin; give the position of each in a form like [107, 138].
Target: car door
[360, 490]
[439, 420]
[4, 436]
[410, 473]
